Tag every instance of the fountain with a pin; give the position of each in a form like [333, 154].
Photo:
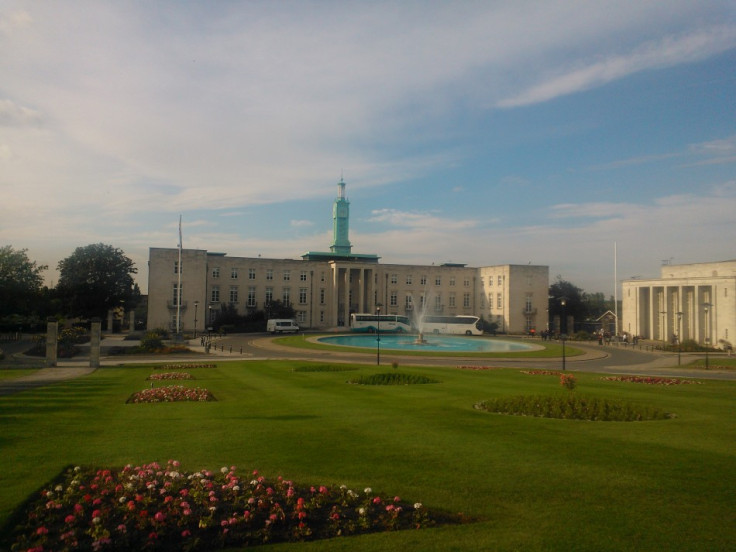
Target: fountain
[417, 316]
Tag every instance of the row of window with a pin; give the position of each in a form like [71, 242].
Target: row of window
[394, 279]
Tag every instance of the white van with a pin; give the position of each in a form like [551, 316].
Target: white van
[279, 325]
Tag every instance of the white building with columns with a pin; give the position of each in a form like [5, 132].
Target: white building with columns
[693, 301]
[324, 288]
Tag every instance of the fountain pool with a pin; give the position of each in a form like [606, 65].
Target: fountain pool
[433, 343]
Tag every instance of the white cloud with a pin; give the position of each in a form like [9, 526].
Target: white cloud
[652, 55]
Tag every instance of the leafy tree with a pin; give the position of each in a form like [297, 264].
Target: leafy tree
[95, 279]
[574, 300]
[20, 282]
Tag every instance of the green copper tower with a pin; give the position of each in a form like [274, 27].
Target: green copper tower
[340, 222]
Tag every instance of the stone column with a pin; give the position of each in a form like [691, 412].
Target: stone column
[131, 324]
[109, 321]
[94, 343]
[52, 333]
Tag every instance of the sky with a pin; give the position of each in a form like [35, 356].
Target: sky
[595, 137]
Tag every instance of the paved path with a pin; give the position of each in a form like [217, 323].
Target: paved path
[258, 347]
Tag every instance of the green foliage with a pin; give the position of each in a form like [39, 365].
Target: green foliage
[572, 407]
[20, 285]
[324, 368]
[392, 378]
[152, 341]
[95, 279]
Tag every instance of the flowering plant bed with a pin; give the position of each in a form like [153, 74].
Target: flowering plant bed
[540, 372]
[185, 366]
[151, 507]
[170, 376]
[171, 393]
[392, 378]
[650, 380]
[572, 407]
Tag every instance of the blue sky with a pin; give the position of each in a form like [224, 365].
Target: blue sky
[472, 132]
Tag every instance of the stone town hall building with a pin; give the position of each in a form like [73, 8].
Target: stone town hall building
[324, 288]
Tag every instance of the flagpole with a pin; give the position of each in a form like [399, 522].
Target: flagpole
[178, 286]
[615, 282]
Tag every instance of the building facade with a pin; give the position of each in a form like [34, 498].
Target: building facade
[325, 288]
[690, 302]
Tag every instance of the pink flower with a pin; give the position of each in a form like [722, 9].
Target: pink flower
[42, 531]
[377, 500]
[186, 533]
[69, 519]
[160, 517]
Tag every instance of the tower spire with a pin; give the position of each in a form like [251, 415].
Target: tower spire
[341, 221]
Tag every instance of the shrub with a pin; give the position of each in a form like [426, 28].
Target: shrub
[572, 407]
[392, 378]
[152, 342]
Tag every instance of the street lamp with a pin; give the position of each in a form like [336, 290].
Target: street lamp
[563, 302]
[378, 334]
[679, 336]
[196, 306]
[707, 332]
[664, 334]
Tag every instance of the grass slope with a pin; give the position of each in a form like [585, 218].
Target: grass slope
[536, 483]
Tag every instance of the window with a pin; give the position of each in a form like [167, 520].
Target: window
[451, 299]
[176, 267]
[528, 306]
[287, 275]
[452, 281]
[233, 294]
[301, 317]
[269, 274]
[321, 316]
[466, 300]
[423, 280]
[269, 295]
[234, 273]
[408, 279]
[215, 296]
[251, 297]
[286, 296]
[438, 280]
[499, 301]
[322, 277]
[500, 280]
[482, 301]
[466, 282]
[176, 297]
[394, 300]
[408, 303]
[394, 278]
[303, 276]
[303, 296]
[322, 296]
[438, 302]
[216, 272]
[251, 273]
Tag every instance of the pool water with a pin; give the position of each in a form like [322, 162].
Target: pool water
[434, 343]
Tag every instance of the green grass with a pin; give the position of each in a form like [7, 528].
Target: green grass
[13, 373]
[534, 483]
[549, 349]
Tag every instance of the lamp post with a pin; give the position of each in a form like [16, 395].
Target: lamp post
[707, 307]
[196, 306]
[378, 334]
[563, 302]
[679, 336]
[664, 334]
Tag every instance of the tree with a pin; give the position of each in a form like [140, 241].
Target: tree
[95, 279]
[20, 282]
[574, 300]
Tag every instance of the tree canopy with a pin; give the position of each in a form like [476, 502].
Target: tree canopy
[21, 282]
[95, 279]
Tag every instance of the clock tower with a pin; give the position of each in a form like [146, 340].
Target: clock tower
[340, 218]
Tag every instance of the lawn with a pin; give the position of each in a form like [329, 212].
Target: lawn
[532, 483]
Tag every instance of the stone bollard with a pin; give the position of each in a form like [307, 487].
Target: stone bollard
[52, 333]
[94, 343]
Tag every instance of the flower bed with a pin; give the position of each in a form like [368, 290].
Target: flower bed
[540, 372]
[170, 376]
[171, 393]
[160, 508]
[572, 407]
[650, 380]
[184, 366]
[392, 378]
